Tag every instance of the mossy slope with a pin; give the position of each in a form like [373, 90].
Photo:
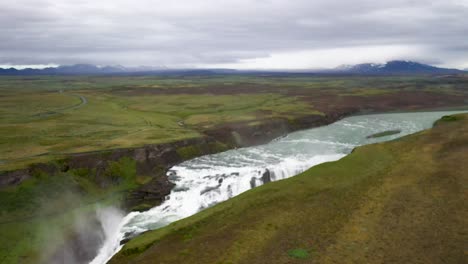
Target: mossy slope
[394, 202]
[39, 214]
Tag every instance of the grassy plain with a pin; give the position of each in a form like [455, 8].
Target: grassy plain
[395, 202]
[37, 125]
[43, 118]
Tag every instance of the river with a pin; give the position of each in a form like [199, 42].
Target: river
[205, 181]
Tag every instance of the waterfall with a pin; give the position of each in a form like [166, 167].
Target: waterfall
[110, 219]
[208, 180]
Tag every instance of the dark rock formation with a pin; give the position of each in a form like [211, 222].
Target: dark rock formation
[266, 177]
[151, 161]
[12, 178]
[155, 160]
[253, 183]
[242, 134]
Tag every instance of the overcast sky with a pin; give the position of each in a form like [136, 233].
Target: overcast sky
[248, 34]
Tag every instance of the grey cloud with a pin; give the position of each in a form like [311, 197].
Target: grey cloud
[180, 33]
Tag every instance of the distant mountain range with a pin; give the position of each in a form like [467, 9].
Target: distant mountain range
[396, 67]
[89, 69]
[78, 69]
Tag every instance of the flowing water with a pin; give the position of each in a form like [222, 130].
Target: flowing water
[205, 181]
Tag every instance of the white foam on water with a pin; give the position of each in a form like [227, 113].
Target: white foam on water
[198, 189]
[111, 222]
[209, 180]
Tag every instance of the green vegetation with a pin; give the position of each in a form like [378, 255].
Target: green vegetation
[123, 170]
[188, 152]
[34, 129]
[37, 215]
[393, 202]
[450, 118]
[384, 133]
[298, 253]
[193, 151]
[46, 118]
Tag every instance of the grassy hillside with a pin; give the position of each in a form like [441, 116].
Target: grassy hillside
[42, 119]
[397, 202]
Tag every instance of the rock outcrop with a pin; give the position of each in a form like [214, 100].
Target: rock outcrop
[153, 161]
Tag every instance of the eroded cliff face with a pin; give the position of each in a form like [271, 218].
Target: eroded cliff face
[397, 201]
[246, 134]
[153, 161]
[129, 179]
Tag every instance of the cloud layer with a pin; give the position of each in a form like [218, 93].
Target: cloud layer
[233, 33]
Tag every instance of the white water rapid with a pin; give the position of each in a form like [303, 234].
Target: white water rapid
[208, 180]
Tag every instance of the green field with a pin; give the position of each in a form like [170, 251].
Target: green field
[43, 119]
[394, 202]
[39, 122]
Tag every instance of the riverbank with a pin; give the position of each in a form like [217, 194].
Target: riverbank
[151, 162]
[206, 181]
[130, 112]
[133, 179]
[69, 188]
[389, 202]
[115, 149]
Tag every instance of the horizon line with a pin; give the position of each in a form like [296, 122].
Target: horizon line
[20, 67]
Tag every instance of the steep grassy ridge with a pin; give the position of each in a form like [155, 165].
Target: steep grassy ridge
[397, 202]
